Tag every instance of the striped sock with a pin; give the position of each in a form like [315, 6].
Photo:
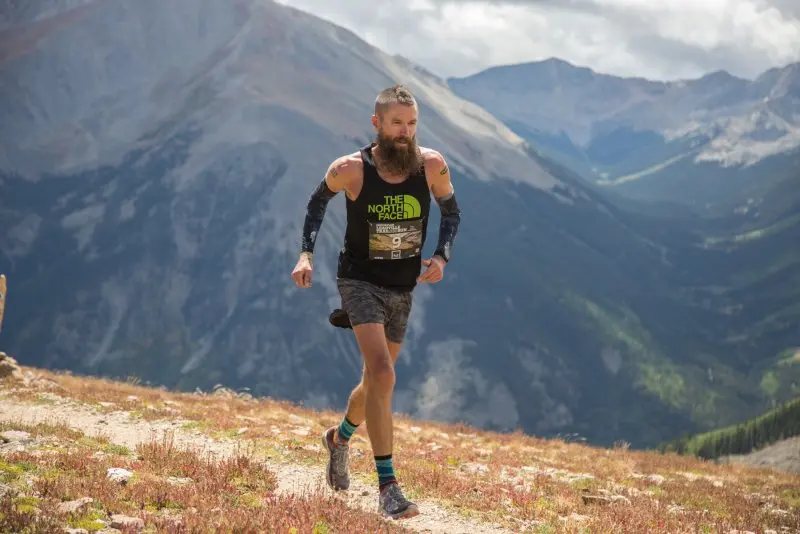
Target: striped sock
[385, 470]
[345, 430]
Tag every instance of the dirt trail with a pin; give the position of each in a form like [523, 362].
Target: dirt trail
[122, 429]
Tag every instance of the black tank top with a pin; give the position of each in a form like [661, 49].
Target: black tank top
[386, 229]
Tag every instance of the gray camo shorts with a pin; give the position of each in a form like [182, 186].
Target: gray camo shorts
[369, 303]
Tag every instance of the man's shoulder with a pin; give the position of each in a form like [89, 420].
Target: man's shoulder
[434, 161]
[430, 154]
[347, 165]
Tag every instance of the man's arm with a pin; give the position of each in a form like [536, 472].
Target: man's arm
[444, 193]
[335, 180]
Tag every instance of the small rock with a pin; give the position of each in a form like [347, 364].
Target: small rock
[76, 506]
[14, 446]
[179, 480]
[117, 474]
[14, 435]
[241, 431]
[475, 468]
[415, 430]
[302, 432]
[595, 499]
[126, 522]
[9, 367]
[656, 479]
[76, 531]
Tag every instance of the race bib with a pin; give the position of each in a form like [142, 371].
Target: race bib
[396, 240]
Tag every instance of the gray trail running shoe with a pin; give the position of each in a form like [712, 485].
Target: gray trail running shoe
[337, 474]
[392, 503]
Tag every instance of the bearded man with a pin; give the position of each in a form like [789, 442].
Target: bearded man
[388, 186]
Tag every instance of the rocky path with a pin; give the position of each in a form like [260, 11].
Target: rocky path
[122, 429]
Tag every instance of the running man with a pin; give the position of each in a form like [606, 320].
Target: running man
[388, 186]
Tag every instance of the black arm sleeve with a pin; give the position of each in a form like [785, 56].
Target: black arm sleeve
[448, 225]
[315, 212]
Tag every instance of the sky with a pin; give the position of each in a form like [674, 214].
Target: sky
[656, 39]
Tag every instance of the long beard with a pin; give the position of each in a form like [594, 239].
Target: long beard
[397, 159]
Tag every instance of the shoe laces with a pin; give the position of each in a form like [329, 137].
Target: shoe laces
[394, 494]
[340, 458]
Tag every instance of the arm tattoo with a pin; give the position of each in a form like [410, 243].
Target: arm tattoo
[315, 211]
[448, 226]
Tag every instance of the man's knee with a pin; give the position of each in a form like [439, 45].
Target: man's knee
[378, 365]
[380, 375]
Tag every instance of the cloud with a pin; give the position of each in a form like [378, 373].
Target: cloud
[658, 40]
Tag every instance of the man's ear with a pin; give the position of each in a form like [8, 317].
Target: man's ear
[375, 121]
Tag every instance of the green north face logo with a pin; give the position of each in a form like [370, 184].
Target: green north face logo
[396, 208]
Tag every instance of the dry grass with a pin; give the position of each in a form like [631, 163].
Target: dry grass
[514, 479]
[172, 490]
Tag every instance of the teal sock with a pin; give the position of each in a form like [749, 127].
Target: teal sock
[385, 470]
[346, 429]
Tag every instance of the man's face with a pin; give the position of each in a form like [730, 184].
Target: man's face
[399, 126]
[397, 139]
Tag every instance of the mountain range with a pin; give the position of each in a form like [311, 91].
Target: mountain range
[682, 140]
[156, 159]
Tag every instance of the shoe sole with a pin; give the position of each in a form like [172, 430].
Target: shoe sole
[411, 511]
[328, 472]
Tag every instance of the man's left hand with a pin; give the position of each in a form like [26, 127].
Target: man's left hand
[434, 271]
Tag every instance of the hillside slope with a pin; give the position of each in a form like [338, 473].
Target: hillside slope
[154, 201]
[778, 424]
[783, 455]
[266, 468]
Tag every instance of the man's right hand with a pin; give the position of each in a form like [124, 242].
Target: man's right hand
[302, 271]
